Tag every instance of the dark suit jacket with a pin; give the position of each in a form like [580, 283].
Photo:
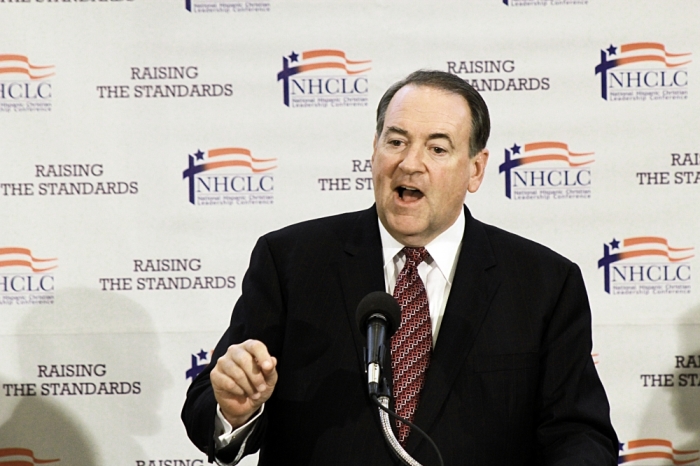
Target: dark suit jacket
[511, 379]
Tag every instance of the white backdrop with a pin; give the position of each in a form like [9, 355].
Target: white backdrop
[146, 144]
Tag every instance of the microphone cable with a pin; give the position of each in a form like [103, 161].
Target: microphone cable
[391, 439]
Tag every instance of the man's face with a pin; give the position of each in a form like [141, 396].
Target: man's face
[421, 166]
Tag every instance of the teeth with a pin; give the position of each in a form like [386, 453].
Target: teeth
[410, 189]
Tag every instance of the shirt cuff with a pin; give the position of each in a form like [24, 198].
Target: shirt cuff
[224, 433]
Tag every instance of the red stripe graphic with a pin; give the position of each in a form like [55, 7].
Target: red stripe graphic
[341, 63]
[10, 64]
[661, 246]
[331, 53]
[652, 51]
[22, 257]
[554, 151]
[20, 457]
[238, 157]
[649, 45]
[657, 442]
[652, 239]
[657, 449]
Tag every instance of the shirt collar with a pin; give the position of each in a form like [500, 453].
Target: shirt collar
[443, 249]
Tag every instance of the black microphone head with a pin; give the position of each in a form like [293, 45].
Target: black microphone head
[379, 302]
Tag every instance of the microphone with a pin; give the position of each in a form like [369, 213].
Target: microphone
[378, 317]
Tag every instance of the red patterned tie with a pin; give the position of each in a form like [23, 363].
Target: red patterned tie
[413, 341]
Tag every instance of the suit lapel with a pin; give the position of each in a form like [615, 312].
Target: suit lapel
[473, 287]
[362, 269]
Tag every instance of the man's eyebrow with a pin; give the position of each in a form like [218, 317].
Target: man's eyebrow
[396, 129]
[403, 132]
[442, 136]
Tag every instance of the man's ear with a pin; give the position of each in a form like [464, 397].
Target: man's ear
[478, 169]
[374, 147]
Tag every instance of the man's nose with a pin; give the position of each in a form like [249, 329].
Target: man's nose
[412, 160]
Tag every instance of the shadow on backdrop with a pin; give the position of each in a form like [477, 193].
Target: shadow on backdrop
[677, 408]
[116, 338]
[685, 399]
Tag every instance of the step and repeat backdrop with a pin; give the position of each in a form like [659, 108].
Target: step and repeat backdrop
[146, 144]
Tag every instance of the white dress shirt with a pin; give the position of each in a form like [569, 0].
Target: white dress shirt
[437, 273]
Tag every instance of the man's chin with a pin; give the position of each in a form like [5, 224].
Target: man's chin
[409, 231]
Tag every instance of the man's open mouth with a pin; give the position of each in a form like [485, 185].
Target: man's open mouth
[406, 193]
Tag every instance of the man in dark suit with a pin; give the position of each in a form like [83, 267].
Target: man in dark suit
[510, 380]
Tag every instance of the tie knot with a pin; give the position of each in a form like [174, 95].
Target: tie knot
[415, 256]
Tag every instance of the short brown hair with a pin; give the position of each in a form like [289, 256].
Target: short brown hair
[481, 123]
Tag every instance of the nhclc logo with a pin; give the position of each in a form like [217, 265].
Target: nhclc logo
[198, 361]
[546, 170]
[641, 451]
[24, 87]
[645, 265]
[228, 176]
[25, 279]
[21, 457]
[322, 78]
[642, 71]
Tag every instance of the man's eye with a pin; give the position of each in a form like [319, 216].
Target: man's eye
[439, 150]
[395, 142]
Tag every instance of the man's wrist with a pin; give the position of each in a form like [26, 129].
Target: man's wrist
[236, 421]
[225, 432]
